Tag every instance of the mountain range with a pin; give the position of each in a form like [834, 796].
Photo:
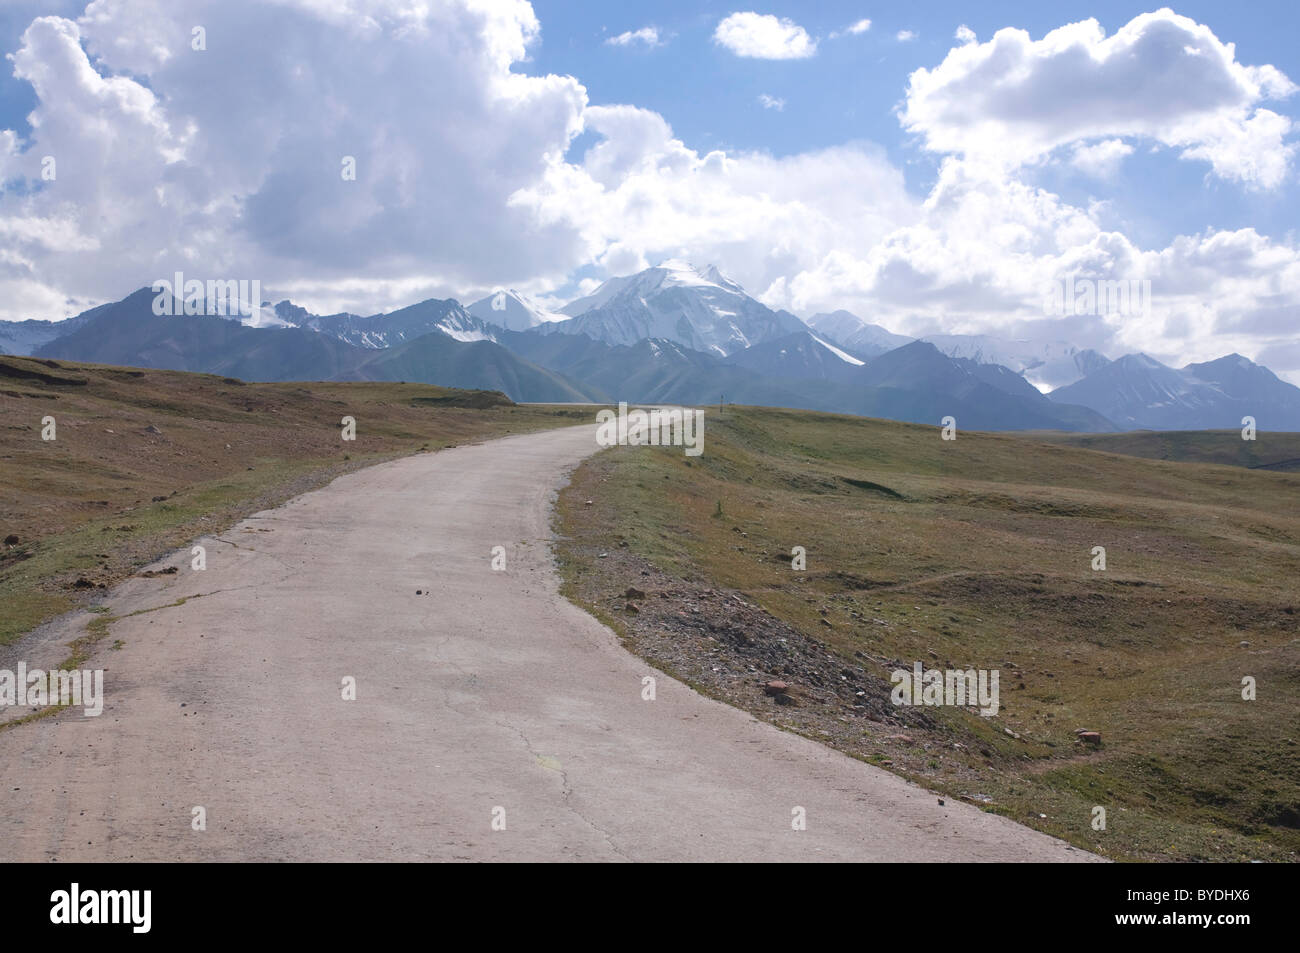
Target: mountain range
[677, 334]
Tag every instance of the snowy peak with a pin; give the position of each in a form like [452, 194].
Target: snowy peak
[391, 329]
[856, 335]
[1045, 364]
[698, 308]
[671, 273]
[513, 311]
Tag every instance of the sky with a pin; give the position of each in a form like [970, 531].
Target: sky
[932, 167]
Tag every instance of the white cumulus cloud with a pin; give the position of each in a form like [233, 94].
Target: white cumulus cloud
[853, 29]
[763, 36]
[647, 35]
[1162, 76]
[1100, 160]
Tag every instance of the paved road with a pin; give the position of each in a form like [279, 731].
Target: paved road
[489, 696]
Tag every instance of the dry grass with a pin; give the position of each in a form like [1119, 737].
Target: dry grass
[976, 553]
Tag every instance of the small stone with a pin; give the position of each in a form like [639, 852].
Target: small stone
[11, 540]
[633, 593]
[776, 688]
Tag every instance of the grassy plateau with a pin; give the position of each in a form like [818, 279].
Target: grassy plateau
[977, 553]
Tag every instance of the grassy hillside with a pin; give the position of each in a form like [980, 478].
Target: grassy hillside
[976, 553]
[144, 460]
[1268, 451]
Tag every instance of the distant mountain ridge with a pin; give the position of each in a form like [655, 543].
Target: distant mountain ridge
[676, 333]
[129, 333]
[1138, 392]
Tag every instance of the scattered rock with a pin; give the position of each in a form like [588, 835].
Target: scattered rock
[83, 583]
[588, 503]
[152, 429]
[776, 688]
[940, 802]
[1090, 737]
[169, 571]
[633, 593]
[11, 540]
[631, 607]
[419, 592]
[158, 499]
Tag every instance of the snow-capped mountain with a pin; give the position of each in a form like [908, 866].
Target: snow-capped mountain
[393, 328]
[513, 311]
[26, 337]
[774, 359]
[1137, 391]
[699, 308]
[1045, 364]
[856, 335]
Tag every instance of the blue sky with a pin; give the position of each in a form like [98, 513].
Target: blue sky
[851, 87]
[937, 183]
